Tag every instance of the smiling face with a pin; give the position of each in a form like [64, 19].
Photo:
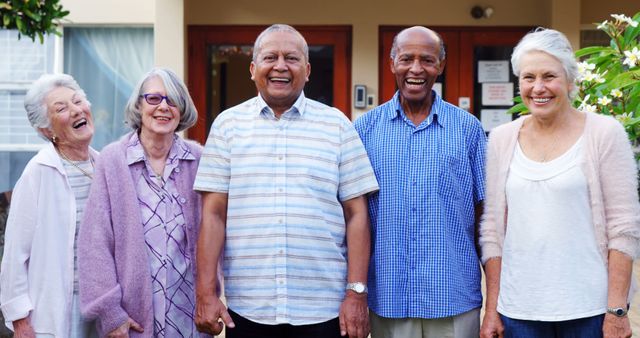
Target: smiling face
[70, 117]
[160, 119]
[416, 64]
[280, 70]
[544, 86]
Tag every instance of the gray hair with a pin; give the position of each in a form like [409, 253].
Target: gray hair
[34, 100]
[394, 45]
[176, 91]
[257, 46]
[552, 42]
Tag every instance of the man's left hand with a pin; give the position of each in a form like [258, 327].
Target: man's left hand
[354, 316]
[616, 327]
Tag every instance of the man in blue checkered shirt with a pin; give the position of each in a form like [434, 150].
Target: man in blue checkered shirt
[428, 157]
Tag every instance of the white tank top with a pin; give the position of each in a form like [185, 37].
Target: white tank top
[551, 267]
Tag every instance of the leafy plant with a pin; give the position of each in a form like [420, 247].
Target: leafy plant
[32, 17]
[609, 80]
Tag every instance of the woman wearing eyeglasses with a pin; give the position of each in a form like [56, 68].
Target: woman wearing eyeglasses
[137, 252]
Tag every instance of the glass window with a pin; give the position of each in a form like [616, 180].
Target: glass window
[107, 62]
[21, 62]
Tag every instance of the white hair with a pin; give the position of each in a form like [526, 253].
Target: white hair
[552, 42]
[34, 101]
[176, 92]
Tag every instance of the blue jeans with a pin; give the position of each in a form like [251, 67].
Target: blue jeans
[590, 327]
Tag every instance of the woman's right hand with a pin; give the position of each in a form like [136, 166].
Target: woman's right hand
[22, 328]
[491, 325]
[123, 330]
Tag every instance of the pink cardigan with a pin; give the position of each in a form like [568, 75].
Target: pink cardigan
[611, 174]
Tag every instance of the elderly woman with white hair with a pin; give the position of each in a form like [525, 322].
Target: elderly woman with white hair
[38, 276]
[561, 223]
[137, 247]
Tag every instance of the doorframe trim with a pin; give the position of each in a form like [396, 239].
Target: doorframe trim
[200, 36]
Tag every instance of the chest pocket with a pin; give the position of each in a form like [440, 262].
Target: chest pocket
[450, 180]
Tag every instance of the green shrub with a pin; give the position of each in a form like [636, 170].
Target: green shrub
[32, 17]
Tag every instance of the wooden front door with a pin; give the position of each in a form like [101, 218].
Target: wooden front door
[218, 68]
[475, 62]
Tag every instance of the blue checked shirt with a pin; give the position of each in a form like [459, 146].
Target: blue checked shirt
[424, 262]
[285, 257]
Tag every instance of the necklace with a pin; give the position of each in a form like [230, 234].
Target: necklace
[550, 149]
[76, 165]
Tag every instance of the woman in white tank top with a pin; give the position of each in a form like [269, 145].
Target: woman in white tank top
[559, 233]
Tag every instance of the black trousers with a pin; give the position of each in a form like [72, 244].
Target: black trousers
[248, 329]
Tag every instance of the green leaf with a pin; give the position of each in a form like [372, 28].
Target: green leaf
[5, 5]
[590, 50]
[20, 24]
[626, 79]
[33, 15]
[6, 20]
[518, 108]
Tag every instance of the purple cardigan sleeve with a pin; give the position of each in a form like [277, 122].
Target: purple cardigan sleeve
[100, 292]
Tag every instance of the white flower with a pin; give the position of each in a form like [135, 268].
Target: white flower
[603, 25]
[604, 100]
[588, 76]
[623, 118]
[616, 93]
[589, 108]
[632, 57]
[623, 18]
[584, 67]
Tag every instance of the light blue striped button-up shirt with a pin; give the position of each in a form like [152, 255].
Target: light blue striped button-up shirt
[285, 257]
[424, 262]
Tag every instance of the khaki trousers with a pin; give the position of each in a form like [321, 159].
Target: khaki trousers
[464, 325]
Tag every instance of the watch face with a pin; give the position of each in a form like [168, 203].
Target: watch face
[359, 288]
[619, 312]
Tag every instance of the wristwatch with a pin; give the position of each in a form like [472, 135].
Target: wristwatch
[357, 287]
[618, 311]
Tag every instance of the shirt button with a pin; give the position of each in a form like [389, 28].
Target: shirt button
[280, 221]
[280, 190]
[182, 200]
[281, 252]
[177, 169]
[280, 157]
[281, 282]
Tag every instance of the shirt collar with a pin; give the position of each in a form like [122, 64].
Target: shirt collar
[298, 107]
[437, 113]
[135, 152]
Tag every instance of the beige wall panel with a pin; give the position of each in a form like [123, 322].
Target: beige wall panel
[365, 16]
[593, 11]
[169, 36]
[429, 12]
[565, 17]
[110, 12]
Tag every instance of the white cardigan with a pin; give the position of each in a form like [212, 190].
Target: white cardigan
[37, 266]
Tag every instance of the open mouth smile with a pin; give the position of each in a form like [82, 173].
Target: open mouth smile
[80, 123]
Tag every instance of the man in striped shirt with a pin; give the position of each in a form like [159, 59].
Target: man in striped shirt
[428, 155]
[284, 180]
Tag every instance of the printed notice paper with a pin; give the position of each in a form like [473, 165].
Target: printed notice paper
[492, 118]
[493, 71]
[497, 94]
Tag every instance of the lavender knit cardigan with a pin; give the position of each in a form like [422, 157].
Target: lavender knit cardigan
[114, 275]
[611, 174]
